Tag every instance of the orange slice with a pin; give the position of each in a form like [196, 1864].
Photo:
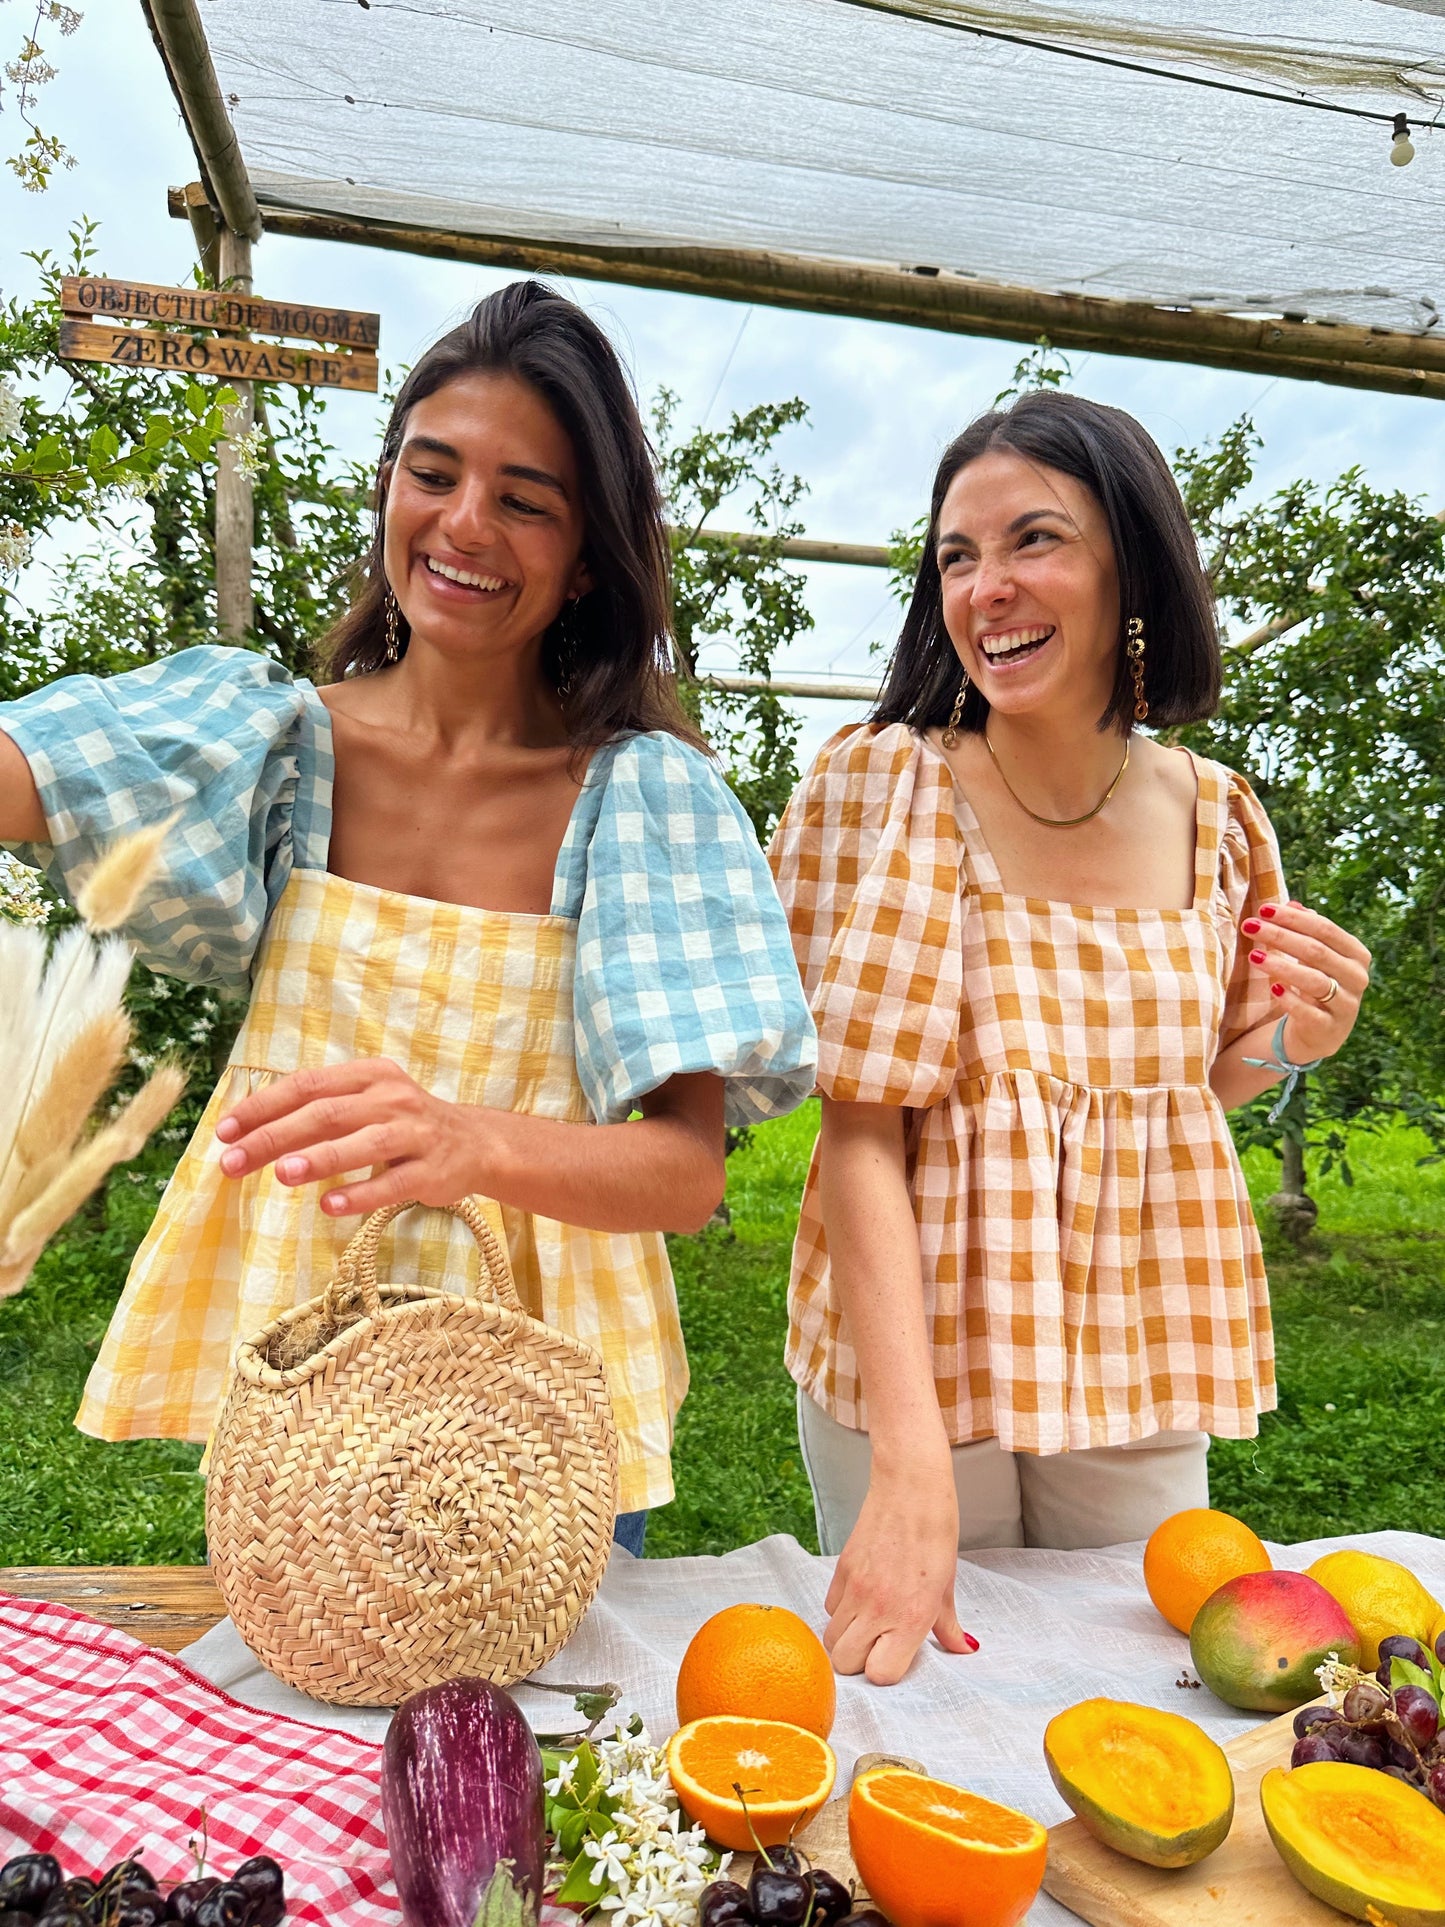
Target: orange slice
[932, 1855]
[786, 1774]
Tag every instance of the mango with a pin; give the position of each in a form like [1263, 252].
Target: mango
[1258, 1640]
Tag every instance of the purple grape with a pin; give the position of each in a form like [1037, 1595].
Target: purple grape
[1361, 1749]
[1399, 1773]
[1435, 1784]
[1401, 1646]
[1418, 1714]
[1312, 1747]
[1366, 1705]
[1400, 1753]
[1310, 1719]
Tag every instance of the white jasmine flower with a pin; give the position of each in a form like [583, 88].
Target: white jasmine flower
[11, 412]
[16, 544]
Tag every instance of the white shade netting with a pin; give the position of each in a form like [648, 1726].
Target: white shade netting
[834, 130]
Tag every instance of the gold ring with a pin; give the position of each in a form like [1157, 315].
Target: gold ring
[1330, 995]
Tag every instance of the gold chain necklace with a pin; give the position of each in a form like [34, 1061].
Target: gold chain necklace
[1058, 822]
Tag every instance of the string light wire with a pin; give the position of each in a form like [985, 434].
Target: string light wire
[897, 12]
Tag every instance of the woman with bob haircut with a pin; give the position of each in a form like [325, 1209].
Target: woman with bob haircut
[487, 892]
[1046, 955]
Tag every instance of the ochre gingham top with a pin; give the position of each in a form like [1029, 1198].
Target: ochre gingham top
[1091, 1266]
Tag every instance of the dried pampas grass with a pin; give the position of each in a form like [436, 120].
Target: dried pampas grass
[64, 1037]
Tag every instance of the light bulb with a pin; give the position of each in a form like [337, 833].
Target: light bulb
[1402, 148]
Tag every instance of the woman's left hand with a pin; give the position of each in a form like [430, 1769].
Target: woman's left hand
[317, 1124]
[1317, 972]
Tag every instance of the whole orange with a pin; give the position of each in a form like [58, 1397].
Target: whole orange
[757, 1663]
[1192, 1554]
[932, 1855]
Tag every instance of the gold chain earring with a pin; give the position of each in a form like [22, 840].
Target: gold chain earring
[393, 629]
[950, 733]
[1134, 649]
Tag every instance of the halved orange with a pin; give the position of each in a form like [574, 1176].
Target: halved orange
[932, 1855]
[785, 1772]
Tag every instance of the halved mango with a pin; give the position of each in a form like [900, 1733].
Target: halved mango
[1359, 1840]
[1150, 1784]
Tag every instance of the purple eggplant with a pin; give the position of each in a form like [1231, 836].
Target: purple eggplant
[461, 1800]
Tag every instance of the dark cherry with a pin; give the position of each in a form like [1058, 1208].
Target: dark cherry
[227, 1905]
[70, 1918]
[147, 1912]
[127, 1873]
[107, 1902]
[264, 1884]
[832, 1901]
[12, 1917]
[28, 1881]
[868, 1917]
[724, 1904]
[778, 1898]
[787, 1859]
[184, 1900]
[73, 1895]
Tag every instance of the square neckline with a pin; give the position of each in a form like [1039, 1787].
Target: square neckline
[1203, 878]
[552, 914]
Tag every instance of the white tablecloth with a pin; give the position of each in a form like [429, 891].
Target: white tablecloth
[1053, 1627]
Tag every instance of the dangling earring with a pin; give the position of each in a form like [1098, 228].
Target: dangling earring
[567, 638]
[1134, 649]
[393, 629]
[950, 733]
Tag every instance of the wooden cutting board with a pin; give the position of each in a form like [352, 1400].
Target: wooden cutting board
[1244, 1883]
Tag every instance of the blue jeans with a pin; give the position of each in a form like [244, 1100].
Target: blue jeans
[629, 1530]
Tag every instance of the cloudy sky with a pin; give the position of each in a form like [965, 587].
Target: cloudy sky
[882, 400]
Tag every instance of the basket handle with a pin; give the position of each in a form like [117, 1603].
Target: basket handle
[356, 1267]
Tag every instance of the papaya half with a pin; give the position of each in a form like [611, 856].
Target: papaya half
[1359, 1841]
[1149, 1784]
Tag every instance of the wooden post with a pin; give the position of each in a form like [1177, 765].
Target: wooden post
[235, 504]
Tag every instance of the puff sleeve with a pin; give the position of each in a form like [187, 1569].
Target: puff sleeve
[683, 959]
[1250, 873]
[226, 737]
[867, 861]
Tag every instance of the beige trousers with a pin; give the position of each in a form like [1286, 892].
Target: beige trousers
[1101, 1497]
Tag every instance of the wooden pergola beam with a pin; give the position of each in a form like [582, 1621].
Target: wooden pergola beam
[1388, 361]
[178, 32]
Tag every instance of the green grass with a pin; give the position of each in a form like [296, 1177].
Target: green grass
[1359, 1313]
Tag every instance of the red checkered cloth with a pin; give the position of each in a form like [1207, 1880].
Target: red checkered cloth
[109, 1748]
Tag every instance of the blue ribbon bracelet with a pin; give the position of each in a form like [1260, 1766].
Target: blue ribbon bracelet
[1286, 1066]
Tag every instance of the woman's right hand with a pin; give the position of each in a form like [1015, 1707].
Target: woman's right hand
[894, 1582]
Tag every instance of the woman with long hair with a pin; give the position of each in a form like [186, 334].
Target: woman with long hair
[487, 892]
[1046, 955]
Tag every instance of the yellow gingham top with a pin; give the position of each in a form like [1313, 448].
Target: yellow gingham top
[664, 952]
[1091, 1267]
[477, 1006]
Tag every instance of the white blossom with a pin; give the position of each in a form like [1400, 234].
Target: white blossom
[655, 1864]
[16, 544]
[21, 898]
[11, 413]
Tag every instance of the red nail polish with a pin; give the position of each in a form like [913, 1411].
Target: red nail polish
[1276, 990]
[970, 1644]
[1267, 910]
[1251, 926]
[1256, 956]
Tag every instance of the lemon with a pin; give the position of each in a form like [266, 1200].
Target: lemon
[1380, 1598]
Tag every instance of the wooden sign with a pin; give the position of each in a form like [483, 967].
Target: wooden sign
[94, 297]
[151, 348]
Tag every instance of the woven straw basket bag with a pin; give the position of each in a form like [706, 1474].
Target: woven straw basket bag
[407, 1484]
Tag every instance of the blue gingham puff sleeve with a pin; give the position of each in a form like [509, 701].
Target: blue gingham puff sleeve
[684, 961]
[227, 738]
